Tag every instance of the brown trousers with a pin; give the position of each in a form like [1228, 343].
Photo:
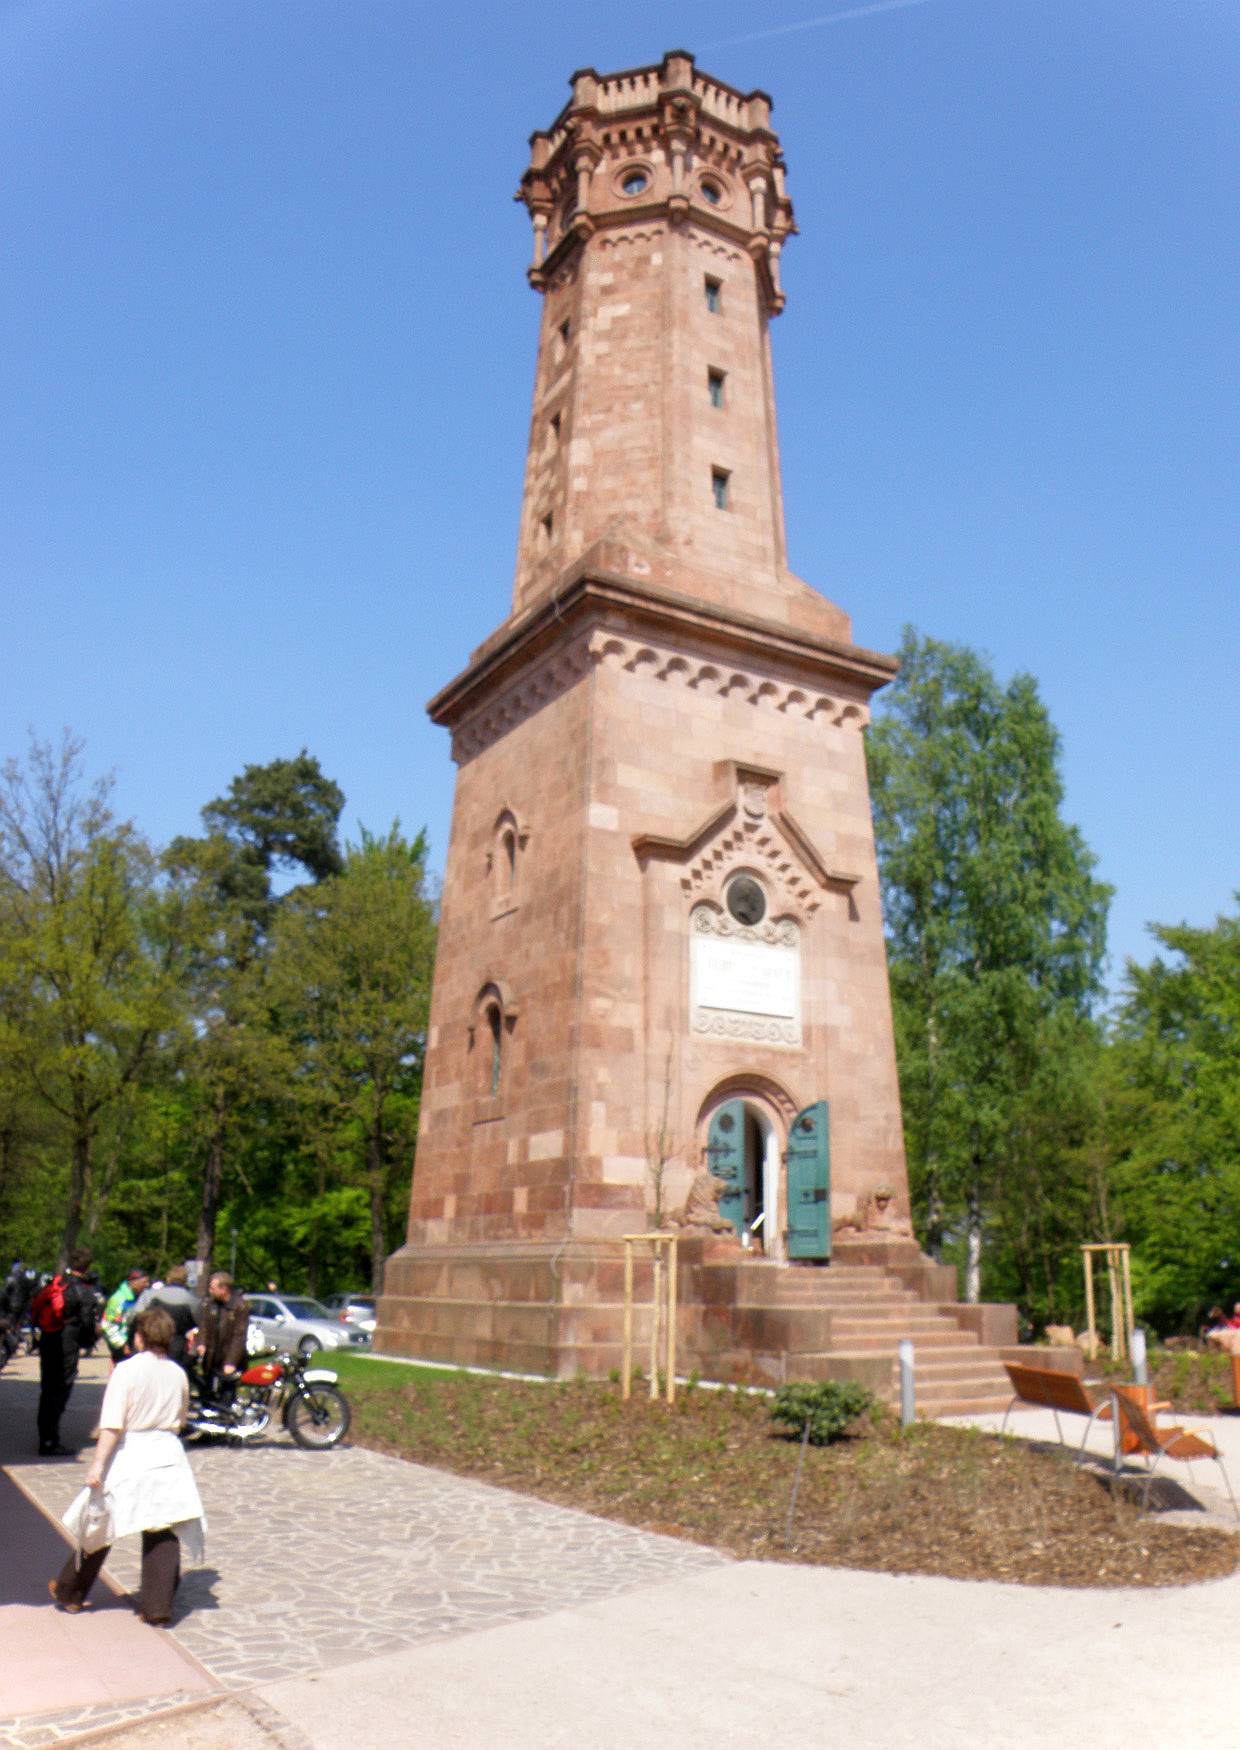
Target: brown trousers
[161, 1574]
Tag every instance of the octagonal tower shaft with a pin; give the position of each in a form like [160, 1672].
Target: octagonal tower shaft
[659, 209]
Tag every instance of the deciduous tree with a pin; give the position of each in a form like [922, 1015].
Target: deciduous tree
[93, 952]
[351, 973]
[1173, 1122]
[995, 924]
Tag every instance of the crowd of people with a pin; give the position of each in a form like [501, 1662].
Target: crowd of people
[156, 1334]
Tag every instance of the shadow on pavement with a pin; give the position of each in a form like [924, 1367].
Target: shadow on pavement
[33, 1548]
[196, 1593]
[33, 1545]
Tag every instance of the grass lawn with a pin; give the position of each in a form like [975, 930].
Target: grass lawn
[715, 1470]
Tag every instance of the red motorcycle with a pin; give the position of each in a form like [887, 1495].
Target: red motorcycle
[305, 1398]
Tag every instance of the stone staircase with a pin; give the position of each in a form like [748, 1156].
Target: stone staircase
[846, 1320]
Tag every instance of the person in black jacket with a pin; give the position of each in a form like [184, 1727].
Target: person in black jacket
[178, 1299]
[60, 1348]
[15, 1295]
[223, 1320]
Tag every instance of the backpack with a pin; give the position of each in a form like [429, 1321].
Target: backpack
[48, 1306]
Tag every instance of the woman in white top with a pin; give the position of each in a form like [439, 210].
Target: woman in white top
[139, 1479]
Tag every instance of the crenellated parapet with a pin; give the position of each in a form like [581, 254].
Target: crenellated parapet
[664, 142]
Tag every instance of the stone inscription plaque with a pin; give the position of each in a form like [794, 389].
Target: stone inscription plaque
[745, 983]
[754, 978]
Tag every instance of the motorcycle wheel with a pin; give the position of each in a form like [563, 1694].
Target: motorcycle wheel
[318, 1417]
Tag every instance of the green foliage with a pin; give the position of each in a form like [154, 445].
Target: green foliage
[93, 959]
[350, 981]
[1172, 1123]
[199, 1058]
[996, 937]
[829, 1408]
[281, 817]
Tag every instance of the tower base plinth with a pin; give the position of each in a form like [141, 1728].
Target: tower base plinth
[556, 1310]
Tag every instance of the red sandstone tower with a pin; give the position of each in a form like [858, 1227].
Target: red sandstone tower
[661, 939]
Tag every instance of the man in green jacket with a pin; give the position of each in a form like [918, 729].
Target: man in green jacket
[118, 1313]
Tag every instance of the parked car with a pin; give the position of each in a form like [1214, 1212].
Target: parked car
[358, 1310]
[288, 1321]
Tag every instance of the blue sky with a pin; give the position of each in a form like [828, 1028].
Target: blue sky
[269, 354]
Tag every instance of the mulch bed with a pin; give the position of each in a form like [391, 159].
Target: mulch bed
[712, 1469]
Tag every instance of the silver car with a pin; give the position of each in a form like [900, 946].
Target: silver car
[356, 1310]
[293, 1321]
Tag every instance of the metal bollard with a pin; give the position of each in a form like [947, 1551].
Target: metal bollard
[907, 1408]
[1140, 1366]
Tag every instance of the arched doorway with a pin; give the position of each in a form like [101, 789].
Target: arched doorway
[744, 1148]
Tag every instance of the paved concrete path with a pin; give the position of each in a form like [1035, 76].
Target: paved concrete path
[352, 1599]
[1195, 1493]
[313, 1560]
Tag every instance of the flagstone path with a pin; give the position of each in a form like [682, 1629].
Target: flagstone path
[318, 1559]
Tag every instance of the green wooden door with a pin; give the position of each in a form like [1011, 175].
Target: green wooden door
[809, 1183]
[725, 1150]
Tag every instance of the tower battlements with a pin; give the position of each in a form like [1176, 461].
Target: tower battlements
[665, 140]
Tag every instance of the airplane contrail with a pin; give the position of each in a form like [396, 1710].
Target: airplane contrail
[813, 23]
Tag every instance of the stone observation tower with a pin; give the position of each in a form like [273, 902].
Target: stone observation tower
[661, 944]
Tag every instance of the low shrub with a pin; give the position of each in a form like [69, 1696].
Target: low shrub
[829, 1408]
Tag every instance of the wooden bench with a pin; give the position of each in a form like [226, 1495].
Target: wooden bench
[1184, 1444]
[1051, 1390]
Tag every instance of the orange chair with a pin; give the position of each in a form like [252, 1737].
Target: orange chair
[1153, 1407]
[1132, 1419]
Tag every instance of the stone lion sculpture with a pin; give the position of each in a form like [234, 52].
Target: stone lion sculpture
[878, 1214]
[701, 1208]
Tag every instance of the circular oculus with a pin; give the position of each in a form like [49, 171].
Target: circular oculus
[746, 900]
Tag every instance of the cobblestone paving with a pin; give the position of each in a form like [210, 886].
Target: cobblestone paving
[221, 1722]
[319, 1559]
[34, 1731]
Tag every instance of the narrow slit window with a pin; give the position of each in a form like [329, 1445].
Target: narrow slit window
[714, 385]
[720, 486]
[714, 295]
[566, 329]
[548, 523]
[495, 1023]
[555, 428]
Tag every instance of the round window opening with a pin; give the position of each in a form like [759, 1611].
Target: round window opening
[636, 182]
[712, 192]
[746, 900]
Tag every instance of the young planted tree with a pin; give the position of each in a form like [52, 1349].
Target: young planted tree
[995, 926]
[350, 977]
